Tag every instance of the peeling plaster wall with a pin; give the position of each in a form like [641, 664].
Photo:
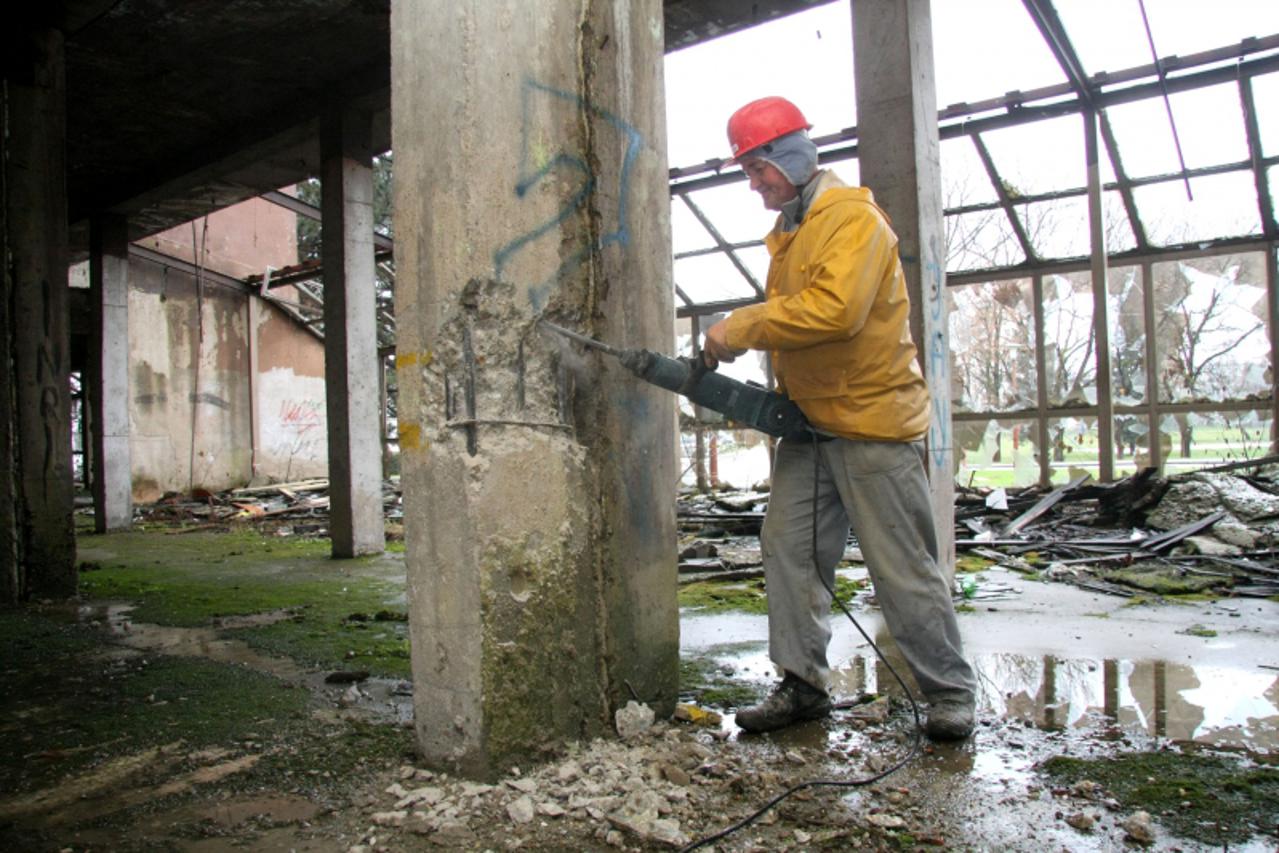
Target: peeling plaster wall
[193, 399]
[292, 439]
[190, 417]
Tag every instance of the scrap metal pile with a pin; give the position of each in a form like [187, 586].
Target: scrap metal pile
[1213, 532]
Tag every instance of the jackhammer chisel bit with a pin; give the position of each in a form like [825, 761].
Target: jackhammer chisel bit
[745, 403]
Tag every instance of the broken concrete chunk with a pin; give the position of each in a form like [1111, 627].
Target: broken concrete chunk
[1139, 827]
[521, 810]
[633, 720]
[1212, 546]
[883, 820]
[526, 786]
[428, 796]
[1203, 493]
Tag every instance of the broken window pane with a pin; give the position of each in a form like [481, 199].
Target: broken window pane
[1126, 320]
[1223, 206]
[1194, 440]
[711, 278]
[1211, 335]
[992, 346]
[1106, 42]
[1272, 178]
[1024, 59]
[1118, 227]
[1057, 228]
[1131, 437]
[1265, 97]
[996, 453]
[981, 240]
[1144, 138]
[1072, 449]
[1039, 157]
[1216, 133]
[963, 178]
[1069, 338]
[734, 210]
[687, 234]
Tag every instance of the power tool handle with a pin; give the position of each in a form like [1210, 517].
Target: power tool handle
[697, 368]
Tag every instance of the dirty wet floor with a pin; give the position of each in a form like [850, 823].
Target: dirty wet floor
[230, 691]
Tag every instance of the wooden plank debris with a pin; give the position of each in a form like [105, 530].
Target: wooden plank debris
[1046, 503]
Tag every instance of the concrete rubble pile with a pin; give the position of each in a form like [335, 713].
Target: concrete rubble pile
[660, 785]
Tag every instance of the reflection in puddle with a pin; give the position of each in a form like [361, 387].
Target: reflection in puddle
[1208, 705]
[380, 698]
[192, 642]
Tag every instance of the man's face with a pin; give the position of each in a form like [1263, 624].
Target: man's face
[769, 182]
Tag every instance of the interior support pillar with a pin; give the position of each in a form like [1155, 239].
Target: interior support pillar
[37, 540]
[350, 336]
[899, 154]
[1100, 269]
[539, 480]
[108, 381]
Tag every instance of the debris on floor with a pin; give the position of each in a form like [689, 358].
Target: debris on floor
[1213, 532]
[300, 507]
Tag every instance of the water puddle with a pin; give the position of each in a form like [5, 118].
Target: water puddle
[1205, 704]
[375, 698]
[192, 642]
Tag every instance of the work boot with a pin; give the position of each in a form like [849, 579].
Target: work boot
[950, 719]
[791, 701]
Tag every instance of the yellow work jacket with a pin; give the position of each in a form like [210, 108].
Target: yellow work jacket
[836, 318]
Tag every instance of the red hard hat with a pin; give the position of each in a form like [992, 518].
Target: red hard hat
[763, 121]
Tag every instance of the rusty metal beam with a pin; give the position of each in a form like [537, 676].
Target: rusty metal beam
[1132, 183]
[1131, 257]
[310, 211]
[1259, 163]
[1050, 27]
[1005, 199]
[1122, 182]
[1016, 112]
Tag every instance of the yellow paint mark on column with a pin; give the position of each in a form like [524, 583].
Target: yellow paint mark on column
[411, 438]
[408, 359]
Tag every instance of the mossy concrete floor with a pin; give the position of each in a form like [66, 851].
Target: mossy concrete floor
[181, 704]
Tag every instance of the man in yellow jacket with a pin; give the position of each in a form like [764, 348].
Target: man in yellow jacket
[836, 320]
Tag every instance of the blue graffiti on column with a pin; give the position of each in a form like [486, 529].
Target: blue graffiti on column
[532, 173]
[938, 359]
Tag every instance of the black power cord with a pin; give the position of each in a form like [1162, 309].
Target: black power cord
[828, 783]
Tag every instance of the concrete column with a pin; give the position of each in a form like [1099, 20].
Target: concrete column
[539, 480]
[107, 384]
[899, 154]
[37, 541]
[356, 523]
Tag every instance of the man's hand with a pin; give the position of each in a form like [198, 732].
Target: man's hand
[716, 349]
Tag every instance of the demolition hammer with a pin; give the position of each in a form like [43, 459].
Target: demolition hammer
[745, 403]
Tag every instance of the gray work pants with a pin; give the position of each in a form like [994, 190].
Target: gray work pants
[879, 487]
